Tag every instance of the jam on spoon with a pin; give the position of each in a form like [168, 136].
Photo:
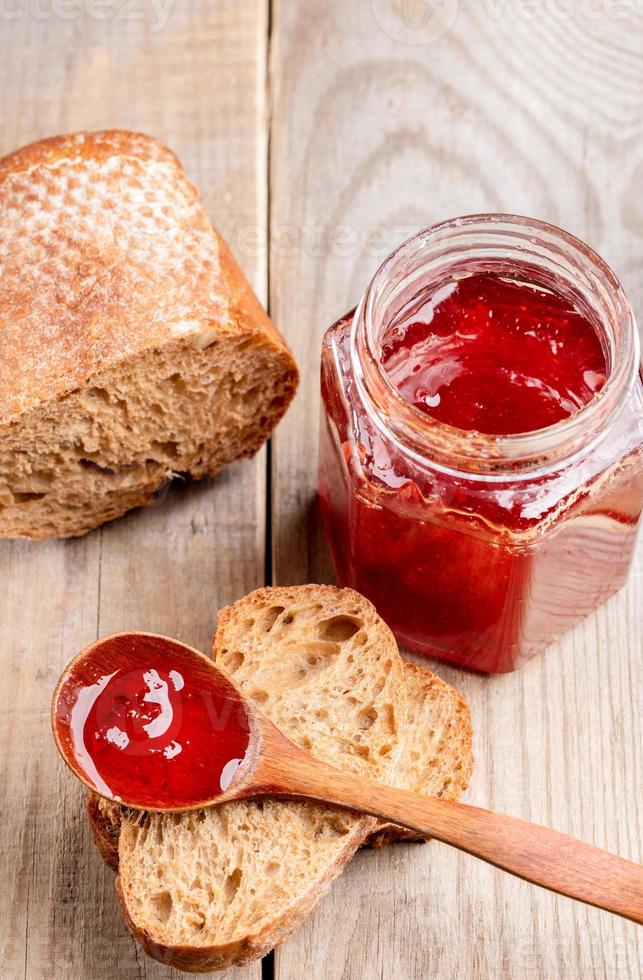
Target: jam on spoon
[148, 721]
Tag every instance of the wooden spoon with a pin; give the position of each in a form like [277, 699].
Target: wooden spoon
[153, 724]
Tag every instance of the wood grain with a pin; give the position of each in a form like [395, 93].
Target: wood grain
[199, 84]
[373, 138]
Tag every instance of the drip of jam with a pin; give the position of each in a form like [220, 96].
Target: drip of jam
[146, 721]
[495, 354]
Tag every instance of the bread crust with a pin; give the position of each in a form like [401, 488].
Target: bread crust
[99, 146]
[206, 959]
[106, 251]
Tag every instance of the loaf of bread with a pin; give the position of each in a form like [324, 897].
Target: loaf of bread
[131, 346]
[220, 887]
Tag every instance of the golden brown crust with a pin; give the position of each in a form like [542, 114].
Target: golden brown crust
[246, 310]
[105, 821]
[97, 146]
[106, 251]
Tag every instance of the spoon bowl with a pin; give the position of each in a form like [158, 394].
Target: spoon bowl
[154, 725]
[147, 721]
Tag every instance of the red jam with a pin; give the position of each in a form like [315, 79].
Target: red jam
[145, 721]
[472, 556]
[494, 354]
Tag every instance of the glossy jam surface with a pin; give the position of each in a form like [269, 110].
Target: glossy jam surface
[147, 722]
[494, 354]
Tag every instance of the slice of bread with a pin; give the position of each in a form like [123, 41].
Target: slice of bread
[132, 347]
[221, 887]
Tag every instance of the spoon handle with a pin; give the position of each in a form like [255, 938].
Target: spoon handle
[529, 851]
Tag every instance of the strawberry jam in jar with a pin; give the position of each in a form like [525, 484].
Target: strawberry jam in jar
[481, 456]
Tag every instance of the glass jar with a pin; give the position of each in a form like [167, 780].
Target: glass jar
[481, 549]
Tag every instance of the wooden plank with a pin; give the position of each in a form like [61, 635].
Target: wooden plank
[199, 83]
[373, 138]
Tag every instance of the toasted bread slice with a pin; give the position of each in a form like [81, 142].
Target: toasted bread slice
[132, 347]
[221, 887]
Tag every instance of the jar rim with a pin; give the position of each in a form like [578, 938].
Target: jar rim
[492, 236]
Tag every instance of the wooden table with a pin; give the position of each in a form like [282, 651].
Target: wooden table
[321, 134]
